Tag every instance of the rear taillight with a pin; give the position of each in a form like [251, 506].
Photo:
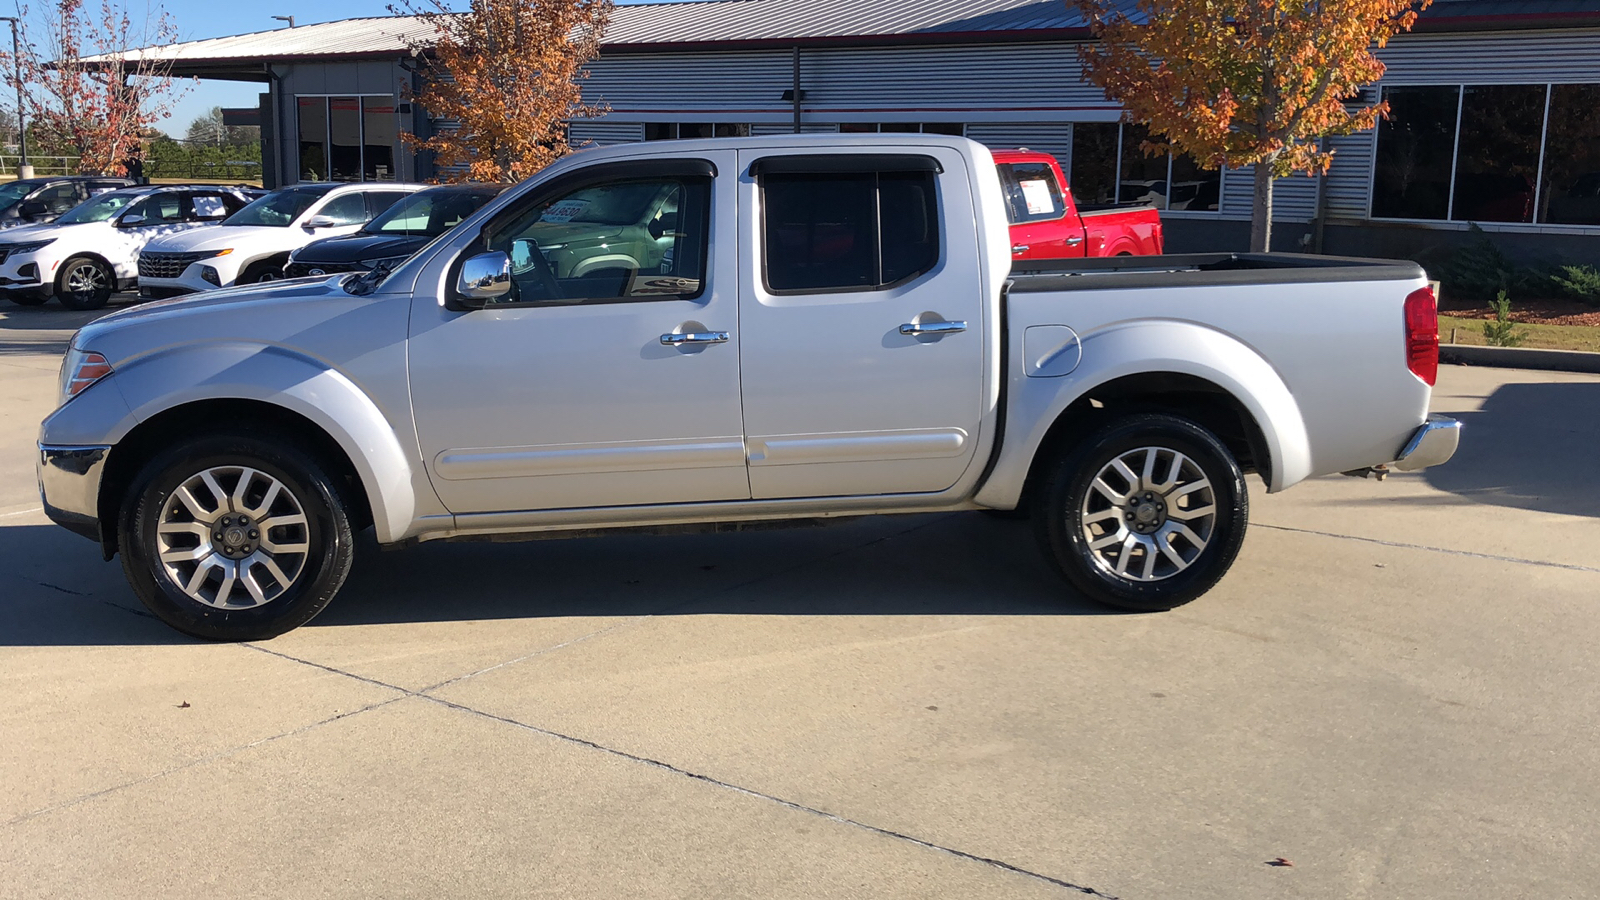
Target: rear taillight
[1422, 335]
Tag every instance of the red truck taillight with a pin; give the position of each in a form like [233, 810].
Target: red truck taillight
[1422, 334]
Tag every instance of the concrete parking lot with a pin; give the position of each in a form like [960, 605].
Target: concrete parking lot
[1393, 694]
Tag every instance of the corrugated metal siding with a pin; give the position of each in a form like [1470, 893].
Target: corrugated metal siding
[1567, 55]
[604, 133]
[669, 82]
[805, 128]
[990, 80]
[1350, 179]
[1294, 199]
[1054, 138]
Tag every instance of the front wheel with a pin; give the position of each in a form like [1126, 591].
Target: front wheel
[85, 283]
[1147, 513]
[262, 272]
[235, 537]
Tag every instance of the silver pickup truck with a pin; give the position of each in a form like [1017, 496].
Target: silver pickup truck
[704, 333]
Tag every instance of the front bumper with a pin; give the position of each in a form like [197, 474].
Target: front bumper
[69, 485]
[1433, 444]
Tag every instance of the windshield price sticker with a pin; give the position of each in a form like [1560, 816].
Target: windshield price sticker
[1037, 195]
[565, 211]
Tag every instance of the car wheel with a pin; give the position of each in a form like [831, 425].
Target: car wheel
[261, 272]
[28, 299]
[84, 283]
[1145, 514]
[235, 537]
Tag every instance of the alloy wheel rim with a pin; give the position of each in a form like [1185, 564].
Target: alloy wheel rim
[1148, 515]
[233, 537]
[86, 280]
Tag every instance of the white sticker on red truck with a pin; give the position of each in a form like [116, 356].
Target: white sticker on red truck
[1038, 197]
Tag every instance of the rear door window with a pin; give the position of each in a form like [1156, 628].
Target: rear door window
[346, 209]
[848, 231]
[1032, 192]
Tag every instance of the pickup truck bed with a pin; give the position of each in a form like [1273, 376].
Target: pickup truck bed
[804, 327]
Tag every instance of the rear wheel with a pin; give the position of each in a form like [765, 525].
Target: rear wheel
[85, 283]
[235, 537]
[1146, 514]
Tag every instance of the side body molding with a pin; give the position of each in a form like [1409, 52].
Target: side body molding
[1138, 348]
[240, 370]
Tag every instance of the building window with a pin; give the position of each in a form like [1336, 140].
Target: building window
[1093, 178]
[1497, 163]
[348, 138]
[1473, 154]
[1570, 190]
[666, 131]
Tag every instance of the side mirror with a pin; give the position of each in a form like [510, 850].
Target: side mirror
[32, 208]
[484, 277]
[131, 220]
[316, 222]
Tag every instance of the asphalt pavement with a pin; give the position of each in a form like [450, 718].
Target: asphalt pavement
[1393, 694]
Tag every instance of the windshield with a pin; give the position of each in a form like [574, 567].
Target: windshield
[428, 213]
[15, 191]
[97, 209]
[278, 209]
[611, 204]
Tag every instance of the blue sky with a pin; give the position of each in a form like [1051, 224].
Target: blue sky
[198, 19]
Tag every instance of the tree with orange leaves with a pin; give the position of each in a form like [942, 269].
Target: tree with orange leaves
[1244, 82]
[504, 78]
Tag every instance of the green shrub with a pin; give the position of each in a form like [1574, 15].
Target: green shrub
[1502, 332]
[1580, 283]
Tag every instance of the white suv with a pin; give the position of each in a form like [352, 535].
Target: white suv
[253, 244]
[93, 249]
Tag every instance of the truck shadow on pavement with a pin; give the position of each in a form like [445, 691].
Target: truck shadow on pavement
[57, 593]
[1531, 446]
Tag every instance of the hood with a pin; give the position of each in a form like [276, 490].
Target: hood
[217, 237]
[211, 314]
[356, 247]
[24, 233]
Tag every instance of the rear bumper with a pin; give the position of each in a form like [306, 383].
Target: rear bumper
[1431, 445]
[69, 485]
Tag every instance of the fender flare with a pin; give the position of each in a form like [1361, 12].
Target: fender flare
[1149, 347]
[239, 370]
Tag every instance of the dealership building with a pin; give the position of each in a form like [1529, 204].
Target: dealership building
[1495, 106]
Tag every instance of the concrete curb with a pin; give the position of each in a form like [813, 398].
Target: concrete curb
[1520, 358]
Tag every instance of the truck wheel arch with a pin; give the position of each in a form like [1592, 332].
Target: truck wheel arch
[1168, 367]
[271, 390]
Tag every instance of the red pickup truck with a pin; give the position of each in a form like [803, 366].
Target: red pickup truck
[1046, 224]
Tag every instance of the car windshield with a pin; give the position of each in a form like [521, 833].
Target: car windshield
[427, 213]
[278, 209]
[15, 191]
[97, 209]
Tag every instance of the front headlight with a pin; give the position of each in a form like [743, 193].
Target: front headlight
[210, 254]
[80, 369]
[388, 262]
[31, 246]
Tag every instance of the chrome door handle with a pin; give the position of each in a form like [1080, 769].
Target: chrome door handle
[1074, 241]
[695, 337]
[1021, 248]
[914, 329]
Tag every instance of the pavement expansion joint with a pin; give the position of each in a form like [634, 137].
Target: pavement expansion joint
[789, 804]
[1405, 546]
[210, 757]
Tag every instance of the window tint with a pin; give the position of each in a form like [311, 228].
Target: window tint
[159, 209]
[1032, 193]
[378, 201]
[848, 231]
[58, 198]
[641, 239]
[347, 209]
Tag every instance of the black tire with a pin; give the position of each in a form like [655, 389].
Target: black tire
[85, 283]
[1065, 495]
[261, 272]
[28, 299]
[325, 532]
